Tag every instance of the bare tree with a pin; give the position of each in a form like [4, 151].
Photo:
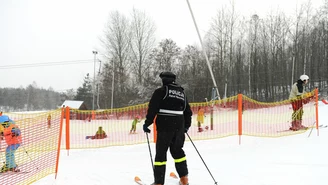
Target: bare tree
[142, 39]
[116, 44]
[253, 55]
[218, 36]
[240, 69]
[231, 31]
[274, 39]
[296, 37]
[166, 55]
[194, 73]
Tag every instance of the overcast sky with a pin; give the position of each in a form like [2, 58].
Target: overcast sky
[48, 31]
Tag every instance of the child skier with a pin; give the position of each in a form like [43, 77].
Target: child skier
[49, 120]
[100, 134]
[13, 138]
[200, 118]
[134, 124]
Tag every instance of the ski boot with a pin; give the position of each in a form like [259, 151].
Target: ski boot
[184, 180]
[294, 126]
[300, 126]
[5, 168]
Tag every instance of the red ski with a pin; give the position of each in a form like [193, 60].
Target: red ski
[138, 181]
[172, 174]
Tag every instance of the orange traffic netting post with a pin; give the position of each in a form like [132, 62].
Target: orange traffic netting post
[240, 116]
[67, 119]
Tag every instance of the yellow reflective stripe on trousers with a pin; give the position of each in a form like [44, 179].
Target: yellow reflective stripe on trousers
[160, 163]
[180, 160]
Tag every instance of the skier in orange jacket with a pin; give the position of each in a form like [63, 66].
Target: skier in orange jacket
[12, 135]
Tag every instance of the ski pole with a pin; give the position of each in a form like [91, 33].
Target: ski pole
[30, 158]
[151, 157]
[201, 158]
[0, 151]
[311, 129]
[3, 161]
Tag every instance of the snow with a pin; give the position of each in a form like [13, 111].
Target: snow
[290, 160]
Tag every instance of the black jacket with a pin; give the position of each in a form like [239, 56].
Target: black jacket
[171, 106]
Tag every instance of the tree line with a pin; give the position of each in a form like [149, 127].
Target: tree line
[259, 57]
[30, 98]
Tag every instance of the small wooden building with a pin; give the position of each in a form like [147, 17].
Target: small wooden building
[75, 104]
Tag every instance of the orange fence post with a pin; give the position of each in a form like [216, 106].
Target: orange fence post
[59, 139]
[67, 116]
[316, 109]
[93, 115]
[240, 117]
[154, 128]
[155, 133]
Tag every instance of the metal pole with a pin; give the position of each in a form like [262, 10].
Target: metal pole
[151, 157]
[201, 158]
[94, 78]
[250, 62]
[293, 66]
[113, 78]
[205, 54]
[98, 79]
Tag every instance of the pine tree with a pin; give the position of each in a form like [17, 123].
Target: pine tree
[84, 93]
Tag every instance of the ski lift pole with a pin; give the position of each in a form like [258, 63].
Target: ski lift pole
[213, 98]
[205, 54]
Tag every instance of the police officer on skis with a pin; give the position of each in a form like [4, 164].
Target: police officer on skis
[173, 118]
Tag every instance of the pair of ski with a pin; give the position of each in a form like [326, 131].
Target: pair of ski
[307, 128]
[17, 171]
[140, 182]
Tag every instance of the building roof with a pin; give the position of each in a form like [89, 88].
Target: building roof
[73, 104]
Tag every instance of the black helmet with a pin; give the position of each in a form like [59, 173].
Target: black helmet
[167, 74]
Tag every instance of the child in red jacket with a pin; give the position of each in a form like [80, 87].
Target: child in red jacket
[12, 135]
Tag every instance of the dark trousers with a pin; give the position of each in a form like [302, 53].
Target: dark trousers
[174, 141]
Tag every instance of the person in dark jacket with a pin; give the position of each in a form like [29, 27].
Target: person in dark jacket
[170, 106]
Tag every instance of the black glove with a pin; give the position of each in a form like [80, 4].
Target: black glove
[146, 129]
[186, 129]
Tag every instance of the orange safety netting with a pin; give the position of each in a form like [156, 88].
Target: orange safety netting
[37, 155]
[237, 115]
[116, 123]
